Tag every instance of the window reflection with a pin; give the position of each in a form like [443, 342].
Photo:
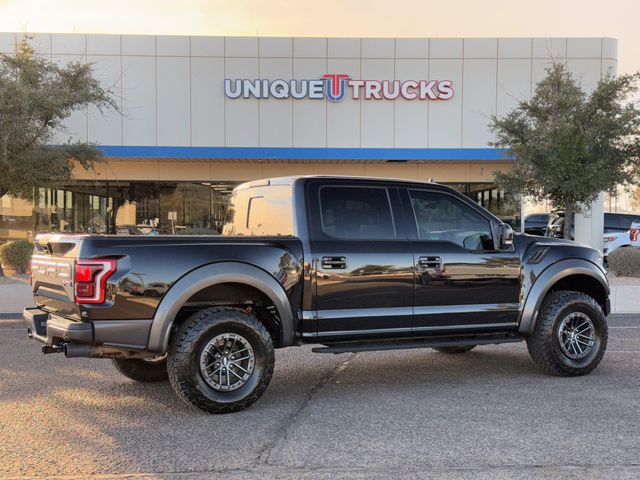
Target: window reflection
[152, 208]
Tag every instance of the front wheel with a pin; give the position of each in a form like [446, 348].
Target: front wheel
[570, 336]
[221, 360]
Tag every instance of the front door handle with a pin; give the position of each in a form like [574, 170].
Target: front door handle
[430, 263]
[333, 263]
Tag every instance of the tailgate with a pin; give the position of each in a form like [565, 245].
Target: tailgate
[52, 273]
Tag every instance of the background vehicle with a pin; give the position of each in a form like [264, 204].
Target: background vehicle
[613, 222]
[353, 264]
[536, 224]
[615, 240]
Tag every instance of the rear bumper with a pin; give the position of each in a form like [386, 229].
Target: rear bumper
[53, 330]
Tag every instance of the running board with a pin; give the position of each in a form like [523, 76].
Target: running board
[431, 342]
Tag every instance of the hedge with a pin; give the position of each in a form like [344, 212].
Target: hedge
[16, 255]
[625, 262]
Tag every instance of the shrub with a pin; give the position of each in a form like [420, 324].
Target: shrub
[625, 262]
[16, 255]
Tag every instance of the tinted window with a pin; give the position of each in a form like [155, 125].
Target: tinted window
[440, 217]
[356, 213]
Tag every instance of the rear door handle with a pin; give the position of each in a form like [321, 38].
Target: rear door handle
[333, 263]
[429, 263]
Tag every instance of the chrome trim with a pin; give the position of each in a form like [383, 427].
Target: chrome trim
[477, 308]
[365, 312]
[456, 327]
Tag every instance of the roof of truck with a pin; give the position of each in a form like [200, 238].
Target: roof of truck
[291, 179]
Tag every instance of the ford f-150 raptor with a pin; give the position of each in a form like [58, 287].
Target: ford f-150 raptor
[349, 264]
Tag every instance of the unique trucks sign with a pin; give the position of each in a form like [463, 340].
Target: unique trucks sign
[334, 87]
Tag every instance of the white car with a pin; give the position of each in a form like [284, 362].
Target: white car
[614, 240]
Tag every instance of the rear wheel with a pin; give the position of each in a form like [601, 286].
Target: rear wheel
[221, 360]
[570, 336]
[143, 370]
[455, 349]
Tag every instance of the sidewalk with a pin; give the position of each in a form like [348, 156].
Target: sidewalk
[13, 298]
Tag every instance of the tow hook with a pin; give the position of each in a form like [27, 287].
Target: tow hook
[51, 349]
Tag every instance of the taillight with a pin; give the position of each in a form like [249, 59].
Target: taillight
[91, 278]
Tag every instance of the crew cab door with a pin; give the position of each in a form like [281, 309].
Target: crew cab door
[362, 260]
[462, 280]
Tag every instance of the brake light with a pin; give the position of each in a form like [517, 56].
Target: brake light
[91, 278]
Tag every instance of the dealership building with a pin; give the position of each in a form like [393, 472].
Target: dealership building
[200, 115]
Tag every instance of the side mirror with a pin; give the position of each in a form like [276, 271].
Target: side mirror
[506, 237]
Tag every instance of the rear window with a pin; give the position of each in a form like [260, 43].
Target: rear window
[260, 211]
[356, 213]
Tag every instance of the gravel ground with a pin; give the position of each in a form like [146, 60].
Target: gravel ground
[486, 414]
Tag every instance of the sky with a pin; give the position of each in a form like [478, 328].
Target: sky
[349, 18]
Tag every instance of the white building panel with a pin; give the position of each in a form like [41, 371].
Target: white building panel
[40, 42]
[378, 47]
[514, 48]
[173, 101]
[172, 45]
[276, 115]
[8, 43]
[586, 71]
[309, 116]
[411, 116]
[584, 47]
[343, 118]
[609, 66]
[445, 117]
[377, 116]
[241, 116]
[446, 47]
[310, 47]
[207, 46]
[479, 101]
[207, 104]
[68, 44]
[514, 83]
[104, 45]
[344, 47]
[550, 48]
[138, 45]
[278, 47]
[74, 127]
[480, 47]
[106, 127]
[610, 48]
[412, 48]
[241, 47]
[139, 100]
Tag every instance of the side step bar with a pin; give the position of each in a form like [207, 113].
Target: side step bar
[430, 342]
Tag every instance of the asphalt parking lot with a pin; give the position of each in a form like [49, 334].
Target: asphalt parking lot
[417, 414]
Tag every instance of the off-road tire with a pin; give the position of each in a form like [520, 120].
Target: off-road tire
[544, 346]
[141, 370]
[192, 336]
[455, 350]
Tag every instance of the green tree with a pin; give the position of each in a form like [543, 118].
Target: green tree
[36, 96]
[569, 146]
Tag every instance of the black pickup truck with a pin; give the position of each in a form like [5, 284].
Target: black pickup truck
[349, 264]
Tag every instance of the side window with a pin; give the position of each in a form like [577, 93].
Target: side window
[440, 217]
[356, 213]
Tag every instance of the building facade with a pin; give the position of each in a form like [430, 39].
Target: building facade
[201, 114]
